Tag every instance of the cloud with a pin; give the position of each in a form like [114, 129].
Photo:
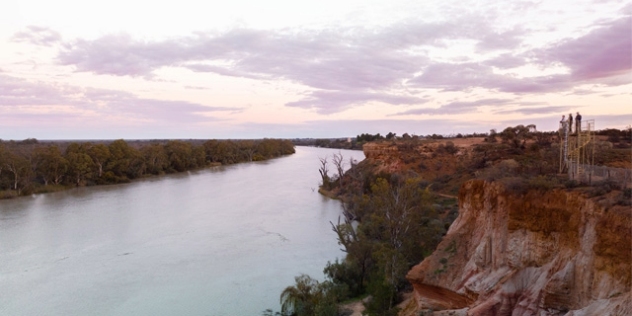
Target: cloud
[22, 97]
[501, 40]
[506, 61]
[373, 62]
[540, 110]
[603, 56]
[349, 67]
[458, 107]
[465, 76]
[351, 128]
[37, 35]
[327, 102]
[196, 87]
[604, 52]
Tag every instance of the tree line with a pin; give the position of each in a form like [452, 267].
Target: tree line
[31, 166]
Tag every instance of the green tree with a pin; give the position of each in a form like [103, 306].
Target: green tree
[20, 167]
[517, 136]
[179, 155]
[80, 164]
[248, 148]
[121, 156]
[100, 155]
[51, 164]
[308, 297]
[155, 158]
[3, 155]
[299, 298]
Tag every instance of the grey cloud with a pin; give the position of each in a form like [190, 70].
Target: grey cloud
[327, 102]
[336, 60]
[602, 53]
[501, 40]
[19, 93]
[457, 107]
[196, 87]
[463, 76]
[15, 92]
[506, 61]
[37, 35]
[540, 110]
[349, 64]
[603, 56]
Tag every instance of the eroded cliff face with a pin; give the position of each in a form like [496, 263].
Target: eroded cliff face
[542, 253]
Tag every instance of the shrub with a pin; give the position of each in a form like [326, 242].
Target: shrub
[602, 187]
[450, 148]
[625, 197]
[570, 184]
[542, 183]
[514, 185]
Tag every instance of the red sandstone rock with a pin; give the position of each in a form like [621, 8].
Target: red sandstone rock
[542, 253]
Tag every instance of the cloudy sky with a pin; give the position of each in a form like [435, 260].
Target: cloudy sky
[73, 69]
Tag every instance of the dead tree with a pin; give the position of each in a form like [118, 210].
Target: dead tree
[324, 172]
[338, 161]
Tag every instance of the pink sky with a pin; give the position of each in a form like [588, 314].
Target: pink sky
[252, 69]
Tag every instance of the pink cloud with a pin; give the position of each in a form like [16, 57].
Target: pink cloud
[368, 62]
[37, 35]
[541, 110]
[350, 67]
[604, 52]
[19, 95]
[458, 107]
[327, 102]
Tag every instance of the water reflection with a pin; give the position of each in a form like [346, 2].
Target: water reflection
[221, 241]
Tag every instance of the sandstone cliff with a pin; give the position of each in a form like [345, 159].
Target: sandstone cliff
[540, 253]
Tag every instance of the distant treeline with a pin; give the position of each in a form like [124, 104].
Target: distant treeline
[621, 138]
[31, 166]
[357, 142]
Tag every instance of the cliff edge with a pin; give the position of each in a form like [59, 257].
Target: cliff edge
[552, 252]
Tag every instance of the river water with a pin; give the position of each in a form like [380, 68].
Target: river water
[222, 241]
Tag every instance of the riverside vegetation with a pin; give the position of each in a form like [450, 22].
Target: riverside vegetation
[31, 166]
[399, 202]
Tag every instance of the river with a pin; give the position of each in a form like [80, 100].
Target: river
[221, 241]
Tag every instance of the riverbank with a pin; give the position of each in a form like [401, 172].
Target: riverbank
[33, 167]
[12, 194]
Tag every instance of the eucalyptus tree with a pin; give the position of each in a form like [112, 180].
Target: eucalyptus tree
[20, 167]
[155, 158]
[121, 156]
[51, 164]
[80, 164]
[100, 155]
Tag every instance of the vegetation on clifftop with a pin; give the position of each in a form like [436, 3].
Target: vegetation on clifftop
[398, 205]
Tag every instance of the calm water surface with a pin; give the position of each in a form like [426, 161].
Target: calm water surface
[223, 241]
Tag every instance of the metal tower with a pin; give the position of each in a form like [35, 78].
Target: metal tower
[577, 151]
